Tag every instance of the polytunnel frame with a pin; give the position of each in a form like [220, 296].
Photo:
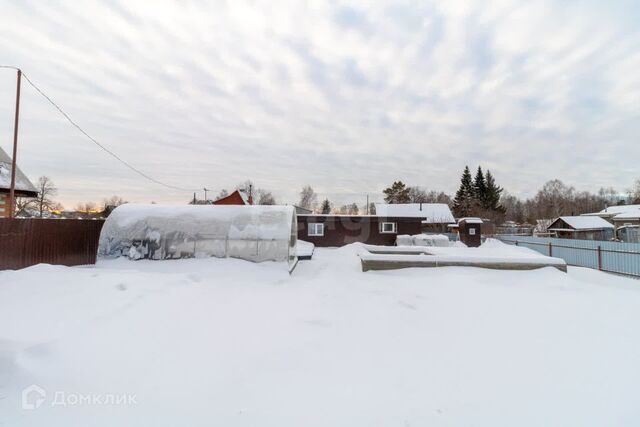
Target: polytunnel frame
[160, 232]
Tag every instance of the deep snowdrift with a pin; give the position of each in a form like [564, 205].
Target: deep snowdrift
[226, 342]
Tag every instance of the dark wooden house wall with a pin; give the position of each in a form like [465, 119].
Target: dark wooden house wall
[343, 230]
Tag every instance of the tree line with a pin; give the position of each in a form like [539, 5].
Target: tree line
[478, 195]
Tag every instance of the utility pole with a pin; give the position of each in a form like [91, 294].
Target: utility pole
[12, 191]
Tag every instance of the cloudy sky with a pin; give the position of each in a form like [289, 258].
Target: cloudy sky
[346, 97]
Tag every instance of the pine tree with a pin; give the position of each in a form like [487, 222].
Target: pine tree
[325, 207]
[463, 202]
[480, 189]
[493, 194]
[397, 193]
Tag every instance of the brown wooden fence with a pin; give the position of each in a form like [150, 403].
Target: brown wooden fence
[25, 242]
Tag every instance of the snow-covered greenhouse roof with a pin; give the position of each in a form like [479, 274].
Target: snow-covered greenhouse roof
[255, 233]
[22, 182]
[433, 213]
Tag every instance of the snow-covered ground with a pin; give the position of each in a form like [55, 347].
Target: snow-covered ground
[227, 342]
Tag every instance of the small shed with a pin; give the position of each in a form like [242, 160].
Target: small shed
[581, 227]
[470, 231]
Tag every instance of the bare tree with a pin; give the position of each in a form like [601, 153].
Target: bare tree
[222, 194]
[113, 201]
[634, 192]
[110, 203]
[46, 191]
[265, 197]
[308, 198]
[417, 195]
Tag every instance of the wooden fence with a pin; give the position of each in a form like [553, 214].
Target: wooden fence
[26, 242]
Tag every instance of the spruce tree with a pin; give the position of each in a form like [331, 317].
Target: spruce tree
[463, 202]
[493, 194]
[325, 208]
[480, 189]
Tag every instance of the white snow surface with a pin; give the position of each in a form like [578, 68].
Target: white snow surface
[226, 342]
[491, 250]
[586, 222]
[433, 213]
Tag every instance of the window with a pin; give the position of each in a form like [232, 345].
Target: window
[388, 227]
[316, 229]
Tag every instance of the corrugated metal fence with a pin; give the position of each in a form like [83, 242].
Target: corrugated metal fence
[25, 242]
[613, 257]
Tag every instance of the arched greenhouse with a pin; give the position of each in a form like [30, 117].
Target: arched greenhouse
[254, 233]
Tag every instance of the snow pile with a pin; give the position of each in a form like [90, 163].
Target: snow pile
[491, 251]
[304, 249]
[255, 233]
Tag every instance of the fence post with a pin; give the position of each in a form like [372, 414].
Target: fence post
[550, 249]
[599, 258]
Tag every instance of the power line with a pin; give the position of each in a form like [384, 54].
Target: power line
[114, 155]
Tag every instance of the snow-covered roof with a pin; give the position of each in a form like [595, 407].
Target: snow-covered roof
[583, 222]
[614, 210]
[470, 220]
[433, 213]
[632, 214]
[22, 182]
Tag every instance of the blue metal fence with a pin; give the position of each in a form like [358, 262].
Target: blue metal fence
[613, 257]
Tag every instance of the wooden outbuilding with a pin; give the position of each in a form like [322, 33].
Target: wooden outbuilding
[582, 228]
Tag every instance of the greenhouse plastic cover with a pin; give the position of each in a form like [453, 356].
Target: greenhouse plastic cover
[255, 233]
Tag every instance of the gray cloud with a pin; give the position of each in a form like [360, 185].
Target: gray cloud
[343, 97]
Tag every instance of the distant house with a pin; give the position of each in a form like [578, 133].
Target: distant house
[581, 227]
[434, 216]
[609, 213]
[631, 217]
[24, 187]
[625, 219]
[236, 198]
